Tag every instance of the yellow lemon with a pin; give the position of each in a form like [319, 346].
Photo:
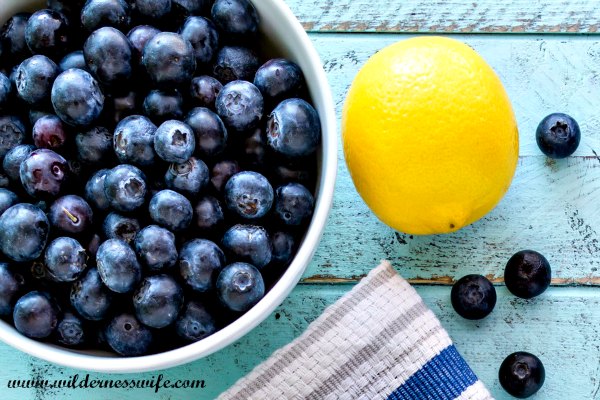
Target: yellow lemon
[429, 135]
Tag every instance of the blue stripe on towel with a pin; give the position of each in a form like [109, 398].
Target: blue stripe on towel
[444, 377]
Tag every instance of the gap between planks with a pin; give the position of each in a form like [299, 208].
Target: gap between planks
[444, 280]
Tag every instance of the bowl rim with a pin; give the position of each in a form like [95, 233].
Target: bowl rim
[319, 88]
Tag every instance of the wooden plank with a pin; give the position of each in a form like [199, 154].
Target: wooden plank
[514, 325]
[541, 74]
[448, 16]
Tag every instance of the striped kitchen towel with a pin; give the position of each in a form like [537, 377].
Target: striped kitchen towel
[379, 341]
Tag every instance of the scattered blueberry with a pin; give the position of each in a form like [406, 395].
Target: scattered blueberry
[36, 315]
[117, 226]
[240, 286]
[12, 133]
[161, 105]
[169, 59]
[12, 284]
[294, 204]
[35, 77]
[94, 190]
[236, 18]
[249, 194]
[155, 247]
[189, 177]
[195, 322]
[203, 36]
[7, 199]
[77, 98]
[134, 141]
[527, 274]
[208, 214]
[473, 296]
[70, 331]
[65, 259]
[47, 33]
[204, 91]
[284, 245]
[200, 262]
[43, 173]
[171, 210]
[74, 59]
[174, 141]
[522, 374]
[71, 214]
[118, 266]
[558, 135]
[279, 79]
[234, 63]
[125, 188]
[100, 13]
[90, 297]
[157, 301]
[248, 243]
[108, 55]
[94, 145]
[293, 128]
[139, 36]
[49, 132]
[240, 105]
[221, 172]
[209, 129]
[127, 336]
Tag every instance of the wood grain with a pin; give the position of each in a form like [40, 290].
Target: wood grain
[515, 324]
[448, 16]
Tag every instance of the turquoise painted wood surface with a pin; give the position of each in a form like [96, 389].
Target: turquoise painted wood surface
[553, 207]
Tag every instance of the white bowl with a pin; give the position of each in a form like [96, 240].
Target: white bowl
[284, 34]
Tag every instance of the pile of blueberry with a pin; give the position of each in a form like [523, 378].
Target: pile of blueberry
[157, 172]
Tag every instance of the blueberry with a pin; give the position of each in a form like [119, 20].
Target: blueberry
[140, 35]
[77, 98]
[127, 336]
[234, 63]
[236, 18]
[90, 297]
[200, 262]
[254, 150]
[221, 172]
[70, 8]
[294, 204]
[71, 214]
[240, 105]
[35, 115]
[47, 33]
[12, 160]
[152, 9]
[108, 54]
[65, 259]
[120, 106]
[7, 199]
[527, 274]
[94, 145]
[284, 245]
[208, 214]
[12, 38]
[248, 243]
[43, 173]
[249, 194]
[12, 284]
[195, 322]
[6, 91]
[161, 105]
[171, 210]
[157, 301]
[174, 141]
[105, 13]
[134, 140]
[190, 7]
[125, 188]
[70, 331]
[169, 59]
[204, 90]
[35, 77]
[209, 130]
[240, 286]
[118, 266]
[74, 59]
[473, 296]
[94, 190]
[155, 246]
[279, 79]
[189, 177]
[293, 173]
[12, 133]
[117, 226]
[558, 135]
[49, 132]
[24, 232]
[203, 36]
[36, 315]
[522, 374]
[293, 128]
